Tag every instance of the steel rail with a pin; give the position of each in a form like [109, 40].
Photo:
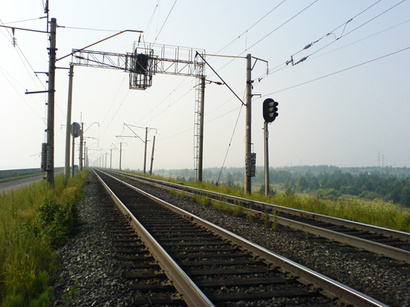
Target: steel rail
[306, 275]
[319, 217]
[374, 247]
[191, 294]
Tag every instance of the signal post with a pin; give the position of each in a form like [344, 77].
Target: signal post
[270, 112]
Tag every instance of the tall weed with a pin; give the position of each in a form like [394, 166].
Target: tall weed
[33, 221]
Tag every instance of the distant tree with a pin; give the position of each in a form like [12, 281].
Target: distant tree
[229, 180]
[262, 190]
[302, 184]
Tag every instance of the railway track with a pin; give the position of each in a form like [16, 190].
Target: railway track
[209, 265]
[382, 241]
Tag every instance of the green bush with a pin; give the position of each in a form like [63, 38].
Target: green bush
[33, 221]
[56, 221]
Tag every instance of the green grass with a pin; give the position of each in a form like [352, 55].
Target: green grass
[33, 221]
[376, 212]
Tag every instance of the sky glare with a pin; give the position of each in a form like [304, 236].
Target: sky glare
[343, 101]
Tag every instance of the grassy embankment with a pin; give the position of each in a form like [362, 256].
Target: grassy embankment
[376, 212]
[33, 222]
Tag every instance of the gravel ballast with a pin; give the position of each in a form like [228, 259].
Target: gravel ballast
[88, 268]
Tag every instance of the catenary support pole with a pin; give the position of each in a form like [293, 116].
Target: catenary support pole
[152, 155]
[80, 158]
[201, 132]
[68, 122]
[110, 158]
[266, 150]
[248, 136]
[145, 150]
[50, 103]
[120, 154]
[72, 157]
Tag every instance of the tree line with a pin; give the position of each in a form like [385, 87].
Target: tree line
[387, 183]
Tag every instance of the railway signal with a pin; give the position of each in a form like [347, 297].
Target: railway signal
[270, 110]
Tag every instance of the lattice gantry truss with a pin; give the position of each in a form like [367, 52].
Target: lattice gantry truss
[145, 61]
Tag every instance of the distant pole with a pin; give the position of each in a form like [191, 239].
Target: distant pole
[68, 123]
[145, 151]
[120, 153]
[248, 146]
[152, 155]
[85, 155]
[81, 146]
[110, 158]
[201, 132]
[50, 103]
[72, 158]
[266, 138]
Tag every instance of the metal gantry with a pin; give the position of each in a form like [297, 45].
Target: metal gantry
[147, 60]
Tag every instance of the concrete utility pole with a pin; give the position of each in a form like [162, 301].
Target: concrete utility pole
[50, 103]
[152, 155]
[110, 158]
[81, 147]
[120, 154]
[145, 150]
[68, 123]
[248, 145]
[72, 158]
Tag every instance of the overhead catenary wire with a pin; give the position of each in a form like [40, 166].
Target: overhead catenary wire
[270, 33]
[280, 26]
[229, 145]
[351, 31]
[253, 25]
[21, 97]
[286, 63]
[335, 29]
[23, 58]
[165, 21]
[339, 71]
[152, 17]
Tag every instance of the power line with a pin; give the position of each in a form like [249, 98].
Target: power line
[174, 102]
[339, 71]
[331, 32]
[170, 11]
[343, 35]
[21, 97]
[88, 29]
[281, 25]
[270, 33]
[246, 31]
[115, 114]
[152, 16]
[230, 143]
[27, 62]
[166, 97]
[364, 38]
[284, 64]
[19, 21]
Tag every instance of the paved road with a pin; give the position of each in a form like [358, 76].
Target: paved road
[7, 186]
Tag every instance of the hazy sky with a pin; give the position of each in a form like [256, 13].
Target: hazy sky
[347, 104]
